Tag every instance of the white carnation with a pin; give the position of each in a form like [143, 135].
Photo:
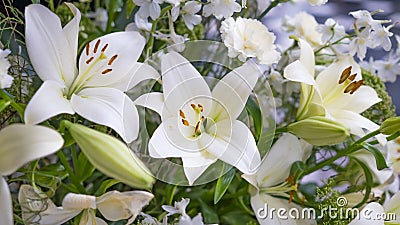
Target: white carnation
[249, 38]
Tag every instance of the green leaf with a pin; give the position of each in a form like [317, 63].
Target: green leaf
[105, 185]
[209, 215]
[255, 112]
[130, 5]
[368, 180]
[379, 158]
[223, 184]
[237, 218]
[4, 104]
[297, 169]
[84, 169]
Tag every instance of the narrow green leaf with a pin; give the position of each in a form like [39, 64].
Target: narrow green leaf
[130, 5]
[4, 104]
[105, 185]
[84, 169]
[209, 215]
[368, 180]
[379, 158]
[223, 184]
[255, 112]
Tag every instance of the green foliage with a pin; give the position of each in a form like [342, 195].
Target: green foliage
[384, 109]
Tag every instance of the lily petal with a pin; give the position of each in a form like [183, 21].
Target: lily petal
[234, 144]
[275, 167]
[50, 53]
[39, 109]
[296, 71]
[38, 208]
[116, 206]
[393, 206]
[181, 83]
[194, 167]
[109, 107]
[89, 218]
[21, 144]
[168, 141]
[307, 57]
[114, 57]
[328, 80]
[239, 83]
[6, 213]
[153, 101]
[140, 72]
[361, 100]
[71, 31]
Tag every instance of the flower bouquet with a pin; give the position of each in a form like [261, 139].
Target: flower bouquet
[189, 112]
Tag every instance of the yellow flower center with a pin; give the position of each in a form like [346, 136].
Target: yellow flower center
[199, 118]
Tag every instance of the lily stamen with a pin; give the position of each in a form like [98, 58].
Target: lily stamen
[345, 74]
[185, 122]
[106, 71]
[104, 48]
[112, 59]
[87, 48]
[352, 77]
[353, 87]
[96, 46]
[89, 60]
[182, 114]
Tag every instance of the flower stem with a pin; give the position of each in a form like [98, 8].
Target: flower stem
[70, 172]
[271, 6]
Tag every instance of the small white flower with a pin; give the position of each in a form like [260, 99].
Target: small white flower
[317, 2]
[331, 31]
[5, 79]
[149, 8]
[100, 17]
[359, 44]
[189, 14]
[178, 208]
[363, 19]
[380, 36]
[175, 41]
[140, 25]
[387, 69]
[304, 26]
[249, 38]
[221, 8]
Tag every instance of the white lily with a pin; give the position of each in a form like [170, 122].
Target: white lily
[337, 92]
[107, 68]
[376, 214]
[272, 180]
[198, 125]
[20, 144]
[113, 205]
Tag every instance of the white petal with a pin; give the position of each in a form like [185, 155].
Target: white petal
[369, 215]
[361, 100]
[89, 218]
[153, 101]
[307, 57]
[354, 121]
[182, 83]
[297, 72]
[109, 107]
[139, 72]
[328, 80]
[239, 83]
[39, 108]
[155, 10]
[393, 206]
[116, 205]
[168, 141]
[6, 209]
[194, 167]
[234, 144]
[49, 50]
[275, 167]
[71, 31]
[125, 47]
[21, 144]
[33, 201]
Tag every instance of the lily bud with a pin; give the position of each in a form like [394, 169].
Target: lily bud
[319, 131]
[111, 156]
[390, 126]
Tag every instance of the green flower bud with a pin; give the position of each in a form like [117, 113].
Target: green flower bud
[390, 126]
[111, 156]
[319, 131]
